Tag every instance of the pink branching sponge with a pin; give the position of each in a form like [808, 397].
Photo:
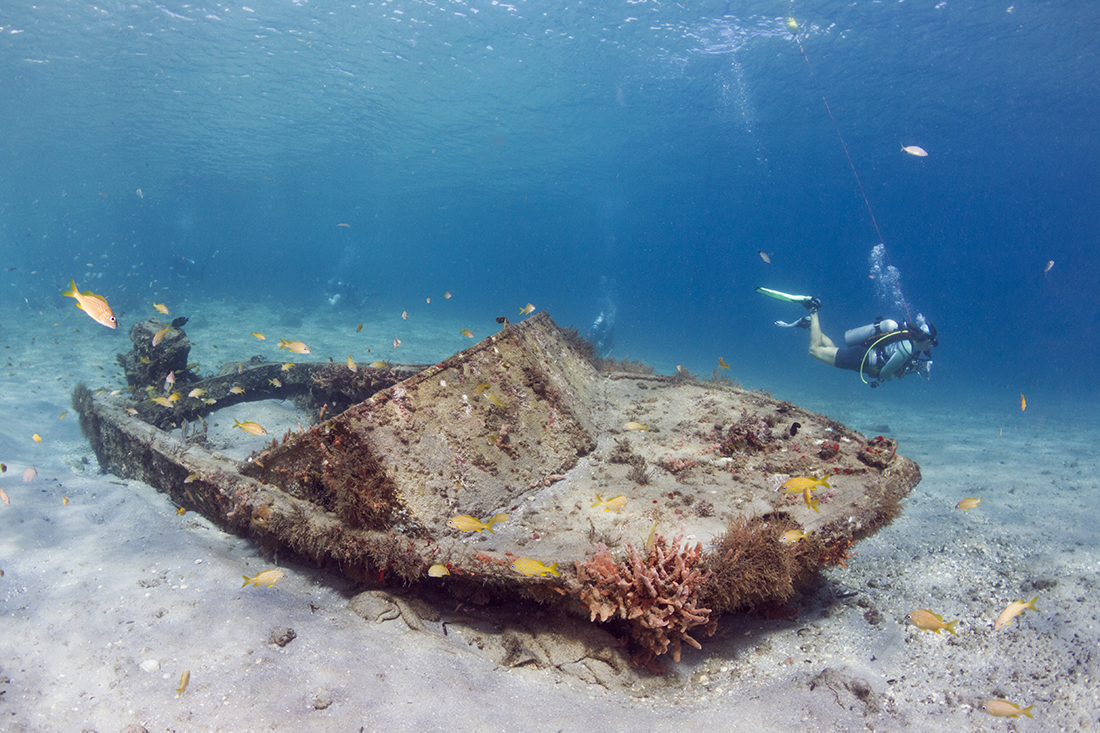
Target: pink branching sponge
[656, 594]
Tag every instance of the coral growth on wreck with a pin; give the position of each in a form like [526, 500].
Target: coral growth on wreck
[656, 594]
[752, 433]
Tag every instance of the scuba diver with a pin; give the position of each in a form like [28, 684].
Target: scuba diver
[882, 350]
[602, 332]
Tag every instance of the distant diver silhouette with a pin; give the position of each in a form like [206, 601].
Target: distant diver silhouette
[602, 332]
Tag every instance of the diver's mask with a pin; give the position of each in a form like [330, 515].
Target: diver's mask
[925, 327]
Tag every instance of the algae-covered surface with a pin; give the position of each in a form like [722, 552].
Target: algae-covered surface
[522, 431]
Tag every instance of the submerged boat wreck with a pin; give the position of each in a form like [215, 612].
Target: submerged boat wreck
[515, 469]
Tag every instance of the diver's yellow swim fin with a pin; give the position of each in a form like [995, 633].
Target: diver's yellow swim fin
[785, 296]
[810, 302]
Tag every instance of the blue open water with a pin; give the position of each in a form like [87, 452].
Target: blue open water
[520, 152]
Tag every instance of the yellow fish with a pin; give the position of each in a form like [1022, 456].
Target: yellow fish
[62, 415]
[494, 399]
[209, 401]
[447, 295]
[359, 328]
[466, 523]
[396, 343]
[796, 484]
[196, 392]
[467, 333]
[636, 426]
[161, 307]
[184, 679]
[159, 335]
[793, 536]
[527, 566]
[250, 427]
[527, 309]
[1006, 709]
[65, 500]
[378, 364]
[438, 571]
[922, 618]
[191, 477]
[4, 497]
[1023, 402]
[174, 397]
[144, 360]
[722, 363]
[613, 504]
[274, 382]
[914, 150]
[810, 502]
[180, 512]
[36, 438]
[92, 304]
[259, 335]
[296, 346]
[1014, 609]
[140, 194]
[267, 577]
[288, 366]
[162, 401]
[351, 364]
[236, 390]
[968, 504]
[481, 388]
[131, 411]
[405, 317]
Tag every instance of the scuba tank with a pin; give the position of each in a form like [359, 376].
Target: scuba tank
[857, 336]
[890, 348]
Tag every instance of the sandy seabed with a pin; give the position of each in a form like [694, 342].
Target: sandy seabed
[106, 600]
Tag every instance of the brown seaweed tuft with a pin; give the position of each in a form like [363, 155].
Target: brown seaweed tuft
[656, 594]
[580, 344]
[640, 473]
[625, 365]
[752, 568]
